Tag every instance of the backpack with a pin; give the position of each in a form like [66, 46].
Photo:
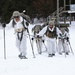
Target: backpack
[26, 17]
[36, 29]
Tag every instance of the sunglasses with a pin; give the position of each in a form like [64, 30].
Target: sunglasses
[16, 16]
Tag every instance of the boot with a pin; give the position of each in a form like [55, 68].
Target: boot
[20, 55]
[67, 53]
[60, 53]
[23, 57]
[53, 54]
[40, 52]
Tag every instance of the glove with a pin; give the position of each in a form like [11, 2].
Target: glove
[43, 41]
[59, 37]
[60, 34]
[3, 25]
[38, 36]
[67, 38]
[32, 38]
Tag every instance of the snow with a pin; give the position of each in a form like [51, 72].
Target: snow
[41, 65]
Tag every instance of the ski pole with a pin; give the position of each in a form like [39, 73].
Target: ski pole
[70, 47]
[4, 42]
[31, 43]
[38, 43]
[45, 45]
[63, 47]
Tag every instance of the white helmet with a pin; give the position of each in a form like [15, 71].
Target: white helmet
[16, 13]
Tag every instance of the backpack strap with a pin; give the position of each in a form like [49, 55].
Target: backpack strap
[24, 25]
[13, 23]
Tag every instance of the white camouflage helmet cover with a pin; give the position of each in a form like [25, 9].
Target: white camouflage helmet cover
[51, 23]
[16, 13]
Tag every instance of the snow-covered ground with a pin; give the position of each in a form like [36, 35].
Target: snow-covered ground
[41, 65]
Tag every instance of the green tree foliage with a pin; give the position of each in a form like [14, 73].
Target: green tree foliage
[32, 7]
[44, 7]
[12, 5]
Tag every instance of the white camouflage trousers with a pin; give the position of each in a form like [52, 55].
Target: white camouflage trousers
[22, 45]
[63, 46]
[51, 45]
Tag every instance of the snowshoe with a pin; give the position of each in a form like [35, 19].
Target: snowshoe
[50, 55]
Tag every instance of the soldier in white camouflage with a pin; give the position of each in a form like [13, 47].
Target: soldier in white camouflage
[63, 41]
[20, 26]
[50, 33]
[38, 39]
